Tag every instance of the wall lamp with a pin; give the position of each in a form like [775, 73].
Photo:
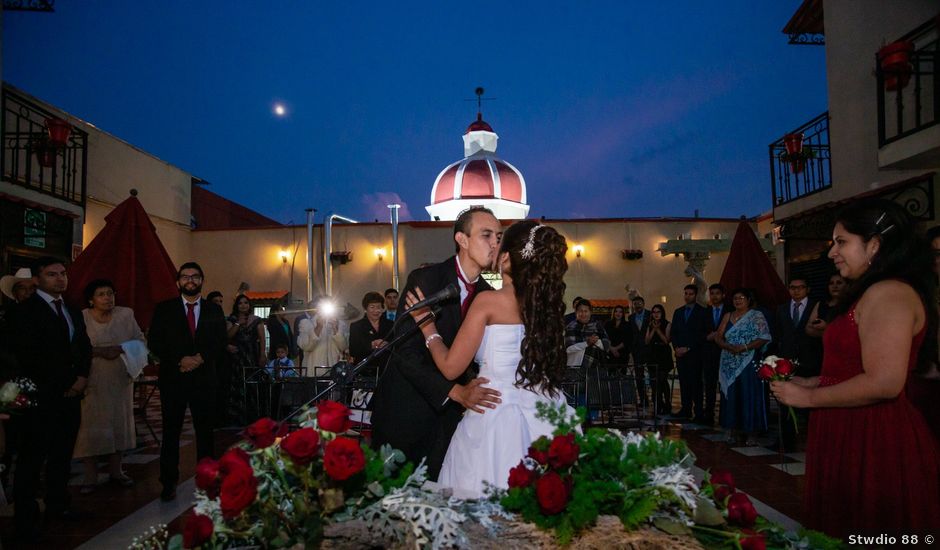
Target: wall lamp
[379, 254]
[283, 255]
[341, 256]
[578, 249]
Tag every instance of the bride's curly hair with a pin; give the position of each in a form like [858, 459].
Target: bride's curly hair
[538, 283]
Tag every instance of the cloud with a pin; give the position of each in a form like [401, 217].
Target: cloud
[662, 148]
[375, 205]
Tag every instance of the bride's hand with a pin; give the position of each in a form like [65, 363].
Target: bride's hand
[412, 298]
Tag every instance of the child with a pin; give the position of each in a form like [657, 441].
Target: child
[281, 366]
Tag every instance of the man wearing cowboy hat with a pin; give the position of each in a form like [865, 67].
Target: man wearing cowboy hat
[19, 286]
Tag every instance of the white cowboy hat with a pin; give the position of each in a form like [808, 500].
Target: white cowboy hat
[9, 281]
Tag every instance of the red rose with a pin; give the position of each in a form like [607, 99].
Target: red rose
[753, 540]
[723, 484]
[239, 489]
[552, 493]
[520, 476]
[765, 372]
[262, 433]
[741, 510]
[343, 458]
[563, 451]
[207, 476]
[197, 531]
[20, 402]
[537, 454]
[233, 460]
[784, 367]
[333, 417]
[301, 446]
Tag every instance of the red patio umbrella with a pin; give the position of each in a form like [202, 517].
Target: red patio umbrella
[749, 267]
[129, 253]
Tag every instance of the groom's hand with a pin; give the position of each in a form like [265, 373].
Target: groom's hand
[474, 395]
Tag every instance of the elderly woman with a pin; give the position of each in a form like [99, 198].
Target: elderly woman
[370, 332]
[107, 426]
[742, 337]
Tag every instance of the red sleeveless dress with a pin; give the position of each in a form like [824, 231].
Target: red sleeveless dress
[875, 467]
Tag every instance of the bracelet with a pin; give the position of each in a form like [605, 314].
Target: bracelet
[427, 341]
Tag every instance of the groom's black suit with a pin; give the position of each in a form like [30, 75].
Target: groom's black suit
[411, 410]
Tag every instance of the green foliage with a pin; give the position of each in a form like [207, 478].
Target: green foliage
[636, 508]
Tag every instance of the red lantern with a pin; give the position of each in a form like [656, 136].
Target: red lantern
[895, 62]
[59, 131]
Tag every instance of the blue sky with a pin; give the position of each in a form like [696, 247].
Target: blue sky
[609, 109]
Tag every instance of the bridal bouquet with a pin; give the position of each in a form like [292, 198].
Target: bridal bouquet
[278, 490]
[774, 368]
[14, 395]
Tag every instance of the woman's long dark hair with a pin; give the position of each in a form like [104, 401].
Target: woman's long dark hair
[903, 255]
[539, 286]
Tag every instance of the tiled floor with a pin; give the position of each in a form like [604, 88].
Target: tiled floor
[118, 514]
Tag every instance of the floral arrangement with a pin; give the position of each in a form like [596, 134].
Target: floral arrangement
[14, 395]
[278, 490]
[565, 483]
[774, 368]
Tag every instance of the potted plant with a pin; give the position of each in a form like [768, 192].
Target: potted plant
[59, 131]
[795, 153]
[45, 152]
[895, 62]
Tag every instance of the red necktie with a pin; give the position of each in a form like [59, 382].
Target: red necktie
[191, 318]
[471, 290]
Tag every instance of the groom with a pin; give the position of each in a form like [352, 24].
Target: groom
[416, 409]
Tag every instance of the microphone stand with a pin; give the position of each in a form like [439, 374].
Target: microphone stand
[351, 373]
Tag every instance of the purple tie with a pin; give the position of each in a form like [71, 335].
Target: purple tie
[62, 319]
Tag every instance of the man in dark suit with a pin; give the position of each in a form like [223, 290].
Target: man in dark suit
[415, 408]
[711, 353]
[187, 334]
[640, 319]
[793, 342]
[688, 338]
[51, 347]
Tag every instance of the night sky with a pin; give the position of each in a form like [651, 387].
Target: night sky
[609, 109]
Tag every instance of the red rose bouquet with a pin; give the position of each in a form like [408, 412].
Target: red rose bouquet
[279, 489]
[774, 368]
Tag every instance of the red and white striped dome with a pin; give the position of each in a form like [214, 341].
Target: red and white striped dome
[480, 178]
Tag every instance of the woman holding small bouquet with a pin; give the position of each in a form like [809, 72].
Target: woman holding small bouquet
[742, 336]
[871, 460]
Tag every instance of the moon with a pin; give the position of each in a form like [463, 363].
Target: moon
[279, 109]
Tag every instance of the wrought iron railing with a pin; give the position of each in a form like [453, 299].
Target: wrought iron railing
[800, 162]
[30, 160]
[908, 92]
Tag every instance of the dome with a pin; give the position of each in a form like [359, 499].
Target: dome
[480, 179]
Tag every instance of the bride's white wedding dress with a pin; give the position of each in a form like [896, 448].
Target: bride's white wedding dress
[486, 446]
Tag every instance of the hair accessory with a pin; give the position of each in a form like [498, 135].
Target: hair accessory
[878, 224]
[529, 249]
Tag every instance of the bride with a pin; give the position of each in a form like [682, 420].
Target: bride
[517, 336]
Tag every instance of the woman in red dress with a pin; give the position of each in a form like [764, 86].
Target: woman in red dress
[872, 464]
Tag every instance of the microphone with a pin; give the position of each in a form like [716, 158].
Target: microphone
[448, 292]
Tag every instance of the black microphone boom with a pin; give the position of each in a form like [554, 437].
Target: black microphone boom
[448, 292]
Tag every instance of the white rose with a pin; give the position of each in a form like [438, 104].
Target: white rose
[8, 392]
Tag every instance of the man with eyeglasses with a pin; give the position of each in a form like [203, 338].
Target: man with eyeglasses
[187, 334]
[794, 344]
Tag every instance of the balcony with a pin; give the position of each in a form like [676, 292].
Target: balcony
[28, 160]
[909, 101]
[800, 162]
